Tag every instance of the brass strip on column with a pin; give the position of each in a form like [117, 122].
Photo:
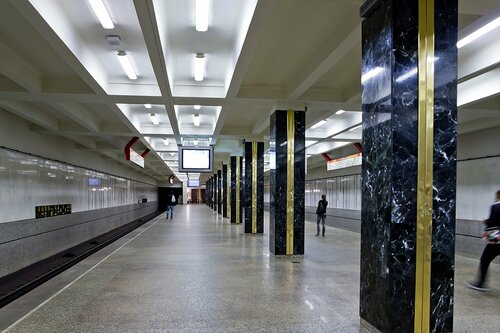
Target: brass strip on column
[237, 189]
[254, 187]
[290, 164]
[228, 190]
[425, 168]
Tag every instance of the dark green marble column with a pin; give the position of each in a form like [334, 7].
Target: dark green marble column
[215, 191]
[254, 187]
[409, 78]
[225, 193]
[236, 189]
[219, 191]
[287, 183]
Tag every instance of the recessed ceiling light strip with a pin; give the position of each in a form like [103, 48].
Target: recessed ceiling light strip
[126, 63]
[199, 66]
[202, 13]
[102, 13]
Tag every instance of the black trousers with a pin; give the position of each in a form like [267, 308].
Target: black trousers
[491, 251]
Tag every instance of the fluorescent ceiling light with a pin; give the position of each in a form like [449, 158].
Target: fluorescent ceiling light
[197, 107]
[165, 142]
[199, 66]
[354, 128]
[126, 65]
[196, 120]
[154, 119]
[147, 106]
[371, 73]
[318, 124]
[339, 112]
[202, 12]
[102, 13]
[479, 33]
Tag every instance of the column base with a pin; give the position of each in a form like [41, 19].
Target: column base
[366, 327]
[288, 257]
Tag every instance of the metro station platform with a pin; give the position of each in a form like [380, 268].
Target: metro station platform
[198, 273]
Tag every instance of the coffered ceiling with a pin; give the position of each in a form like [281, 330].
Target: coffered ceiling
[59, 71]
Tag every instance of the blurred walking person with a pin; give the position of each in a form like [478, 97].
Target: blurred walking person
[492, 249]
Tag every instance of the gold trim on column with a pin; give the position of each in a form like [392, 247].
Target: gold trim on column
[228, 190]
[425, 160]
[237, 189]
[254, 187]
[290, 163]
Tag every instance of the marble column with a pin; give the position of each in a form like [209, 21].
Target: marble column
[215, 192]
[210, 193]
[236, 189]
[254, 187]
[409, 66]
[219, 191]
[225, 191]
[287, 182]
[206, 193]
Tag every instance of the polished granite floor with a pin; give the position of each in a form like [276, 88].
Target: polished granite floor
[198, 273]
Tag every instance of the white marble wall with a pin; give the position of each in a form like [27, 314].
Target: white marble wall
[477, 182]
[27, 181]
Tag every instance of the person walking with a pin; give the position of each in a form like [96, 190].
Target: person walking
[171, 203]
[492, 249]
[321, 212]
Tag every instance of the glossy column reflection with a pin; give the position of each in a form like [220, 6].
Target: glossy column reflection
[219, 191]
[392, 166]
[225, 193]
[287, 182]
[215, 191]
[236, 189]
[254, 187]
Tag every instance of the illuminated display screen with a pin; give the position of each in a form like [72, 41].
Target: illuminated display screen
[94, 182]
[194, 159]
[193, 182]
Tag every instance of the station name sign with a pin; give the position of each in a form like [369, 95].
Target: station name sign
[136, 158]
[344, 162]
[52, 210]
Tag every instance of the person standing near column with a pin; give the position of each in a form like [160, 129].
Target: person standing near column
[321, 212]
[492, 249]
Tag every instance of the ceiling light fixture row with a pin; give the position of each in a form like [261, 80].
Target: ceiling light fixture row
[202, 16]
[102, 14]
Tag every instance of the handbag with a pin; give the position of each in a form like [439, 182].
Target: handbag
[491, 235]
[320, 210]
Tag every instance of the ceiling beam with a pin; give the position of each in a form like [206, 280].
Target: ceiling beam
[326, 59]
[258, 27]
[31, 113]
[79, 114]
[19, 70]
[147, 20]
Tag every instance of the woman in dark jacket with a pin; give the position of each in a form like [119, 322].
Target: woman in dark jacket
[321, 212]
